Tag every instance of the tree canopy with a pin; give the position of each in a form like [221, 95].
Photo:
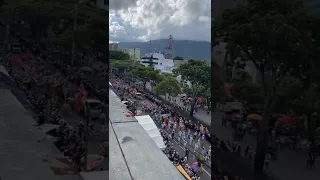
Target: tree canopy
[168, 86]
[118, 55]
[54, 19]
[198, 73]
[279, 37]
[178, 58]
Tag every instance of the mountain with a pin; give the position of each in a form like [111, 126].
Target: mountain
[187, 49]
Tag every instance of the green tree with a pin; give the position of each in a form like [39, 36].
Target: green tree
[198, 73]
[145, 74]
[54, 20]
[169, 86]
[178, 58]
[273, 35]
[293, 97]
[118, 55]
[121, 66]
[249, 94]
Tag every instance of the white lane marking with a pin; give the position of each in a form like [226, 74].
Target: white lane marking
[202, 168]
[206, 172]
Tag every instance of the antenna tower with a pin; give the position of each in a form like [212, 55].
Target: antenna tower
[169, 49]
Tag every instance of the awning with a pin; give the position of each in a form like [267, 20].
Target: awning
[183, 172]
[150, 127]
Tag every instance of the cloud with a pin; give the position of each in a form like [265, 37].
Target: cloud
[153, 19]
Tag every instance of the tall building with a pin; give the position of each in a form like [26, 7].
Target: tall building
[113, 47]
[133, 53]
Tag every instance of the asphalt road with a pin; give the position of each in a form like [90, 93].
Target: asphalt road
[289, 165]
[179, 147]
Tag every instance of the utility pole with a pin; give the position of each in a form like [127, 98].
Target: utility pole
[74, 31]
[86, 135]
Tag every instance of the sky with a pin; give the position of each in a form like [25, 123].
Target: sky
[144, 20]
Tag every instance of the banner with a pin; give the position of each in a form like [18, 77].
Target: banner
[183, 172]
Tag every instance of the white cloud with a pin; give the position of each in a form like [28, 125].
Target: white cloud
[154, 19]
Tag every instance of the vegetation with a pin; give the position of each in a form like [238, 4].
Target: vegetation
[54, 21]
[178, 58]
[281, 39]
[198, 73]
[118, 55]
[168, 86]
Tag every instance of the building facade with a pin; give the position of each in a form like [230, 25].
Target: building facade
[133, 53]
[158, 61]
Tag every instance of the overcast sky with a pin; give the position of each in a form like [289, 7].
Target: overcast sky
[144, 20]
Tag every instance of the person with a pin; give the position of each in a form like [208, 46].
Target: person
[267, 161]
[187, 153]
[190, 140]
[185, 144]
[196, 145]
[224, 121]
[180, 134]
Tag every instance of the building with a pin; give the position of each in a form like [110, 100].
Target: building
[113, 47]
[133, 154]
[22, 142]
[159, 62]
[133, 53]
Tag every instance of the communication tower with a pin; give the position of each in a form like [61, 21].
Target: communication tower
[169, 49]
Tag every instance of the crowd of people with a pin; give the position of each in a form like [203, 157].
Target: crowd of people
[49, 84]
[172, 126]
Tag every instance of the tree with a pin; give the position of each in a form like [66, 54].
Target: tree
[249, 94]
[198, 73]
[56, 17]
[274, 36]
[296, 99]
[121, 66]
[118, 55]
[178, 58]
[168, 86]
[145, 74]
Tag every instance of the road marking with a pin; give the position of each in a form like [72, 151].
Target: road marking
[206, 172]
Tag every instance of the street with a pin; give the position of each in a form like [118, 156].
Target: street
[179, 147]
[95, 145]
[289, 165]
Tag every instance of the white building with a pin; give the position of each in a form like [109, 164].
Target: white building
[133, 53]
[158, 60]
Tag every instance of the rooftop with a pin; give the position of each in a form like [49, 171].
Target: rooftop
[25, 151]
[133, 154]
